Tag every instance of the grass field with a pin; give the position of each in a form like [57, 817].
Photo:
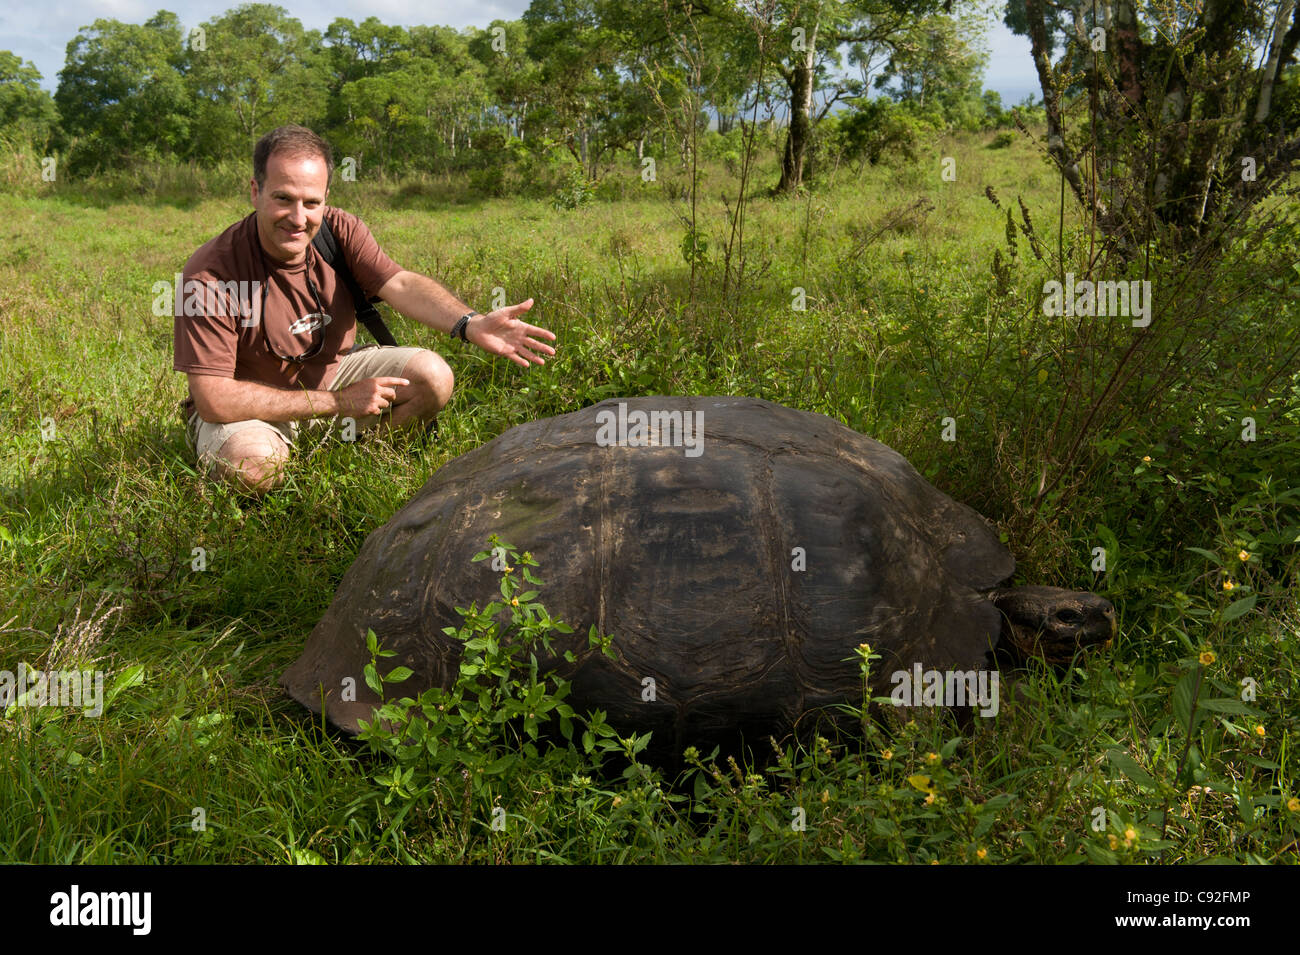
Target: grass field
[1177, 744]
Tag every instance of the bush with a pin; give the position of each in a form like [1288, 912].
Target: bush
[576, 190]
[876, 128]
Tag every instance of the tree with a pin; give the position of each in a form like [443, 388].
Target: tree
[512, 77]
[258, 69]
[121, 93]
[1185, 126]
[938, 65]
[458, 106]
[27, 113]
[583, 93]
[816, 30]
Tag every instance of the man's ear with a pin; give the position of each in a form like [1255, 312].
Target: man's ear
[252, 191]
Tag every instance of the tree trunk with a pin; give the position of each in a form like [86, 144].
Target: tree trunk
[1128, 51]
[1271, 64]
[1190, 182]
[797, 136]
[1057, 148]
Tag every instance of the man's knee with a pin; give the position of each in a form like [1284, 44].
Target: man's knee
[253, 460]
[432, 379]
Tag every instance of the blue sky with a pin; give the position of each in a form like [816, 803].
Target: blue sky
[40, 31]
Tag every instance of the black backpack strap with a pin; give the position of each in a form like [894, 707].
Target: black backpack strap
[327, 248]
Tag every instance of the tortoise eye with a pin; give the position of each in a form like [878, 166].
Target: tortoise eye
[1069, 616]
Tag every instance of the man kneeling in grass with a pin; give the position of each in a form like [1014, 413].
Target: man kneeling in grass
[271, 344]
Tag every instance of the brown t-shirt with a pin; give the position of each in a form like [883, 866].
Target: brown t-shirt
[235, 298]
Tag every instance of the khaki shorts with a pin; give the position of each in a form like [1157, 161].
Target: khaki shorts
[206, 439]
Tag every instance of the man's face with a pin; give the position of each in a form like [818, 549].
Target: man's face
[290, 205]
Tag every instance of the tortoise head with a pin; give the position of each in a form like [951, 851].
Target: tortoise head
[1052, 624]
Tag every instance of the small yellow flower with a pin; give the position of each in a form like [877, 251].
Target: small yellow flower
[618, 801]
[826, 795]
[1130, 834]
[887, 754]
[1146, 459]
[1228, 585]
[1206, 658]
[1243, 555]
[981, 853]
[1259, 730]
[932, 757]
[514, 601]
[929, 799]
[934, 862]
[1114, 843]
[1293, 804]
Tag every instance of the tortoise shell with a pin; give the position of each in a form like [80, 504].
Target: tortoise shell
[738, 572]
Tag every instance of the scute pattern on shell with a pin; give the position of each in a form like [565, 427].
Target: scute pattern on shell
[686, 561]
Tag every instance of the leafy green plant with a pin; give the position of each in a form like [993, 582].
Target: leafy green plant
[504, 713]
[576, 190]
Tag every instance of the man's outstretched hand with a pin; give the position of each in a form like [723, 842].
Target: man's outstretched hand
[503, 333]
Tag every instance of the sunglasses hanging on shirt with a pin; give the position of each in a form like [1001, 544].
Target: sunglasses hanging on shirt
[318, 340]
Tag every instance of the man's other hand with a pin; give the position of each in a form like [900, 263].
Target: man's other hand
[369, 396]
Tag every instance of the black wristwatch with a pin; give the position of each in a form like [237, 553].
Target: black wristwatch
[458, 330]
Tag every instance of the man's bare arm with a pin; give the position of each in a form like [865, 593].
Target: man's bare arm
[423, 299]
[220, 400]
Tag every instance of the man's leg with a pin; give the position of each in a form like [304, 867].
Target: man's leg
[252, 461]
[431, 383]
[248, 455]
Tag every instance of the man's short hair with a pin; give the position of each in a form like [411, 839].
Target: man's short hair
[294, 141]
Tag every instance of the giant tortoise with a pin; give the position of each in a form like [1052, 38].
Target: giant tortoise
[736, 550]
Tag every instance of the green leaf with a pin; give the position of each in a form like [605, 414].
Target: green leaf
[702, 788]
[1209, 554]
[1223, 705]
[1131, 768]
[1237, 608]
[499, 765]
[1185, 698]
[398, 674]
[131, 676]
[1098, 854]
